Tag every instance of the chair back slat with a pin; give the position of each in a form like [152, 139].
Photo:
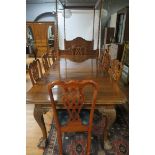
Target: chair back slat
[46, 62]
[35, 71]
[115, 70]
[73, 99]
[106, 59]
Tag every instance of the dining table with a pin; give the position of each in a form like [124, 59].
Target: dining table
[68, 68]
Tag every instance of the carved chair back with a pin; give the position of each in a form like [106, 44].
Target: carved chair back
[106, 59]
[78, 51]
[79, 42]
[52, 54]
[115, 70]
[46, 62]
[79, 46]
[73, 98]
[35, 71]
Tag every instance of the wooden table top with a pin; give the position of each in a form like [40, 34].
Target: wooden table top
[65, 69]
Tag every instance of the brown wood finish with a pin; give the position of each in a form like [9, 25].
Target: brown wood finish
[109, 93]
[92, 53]
[35, 71]
[46, 62]
[73, 99]
[40, 32]
[52, 54]
[115, 70]
[79, 42]
[79, 58]
[106, 59]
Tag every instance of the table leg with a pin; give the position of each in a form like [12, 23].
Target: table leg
[110, 114]
[38, 115]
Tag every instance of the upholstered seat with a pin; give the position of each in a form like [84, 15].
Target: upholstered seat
[64, 117]
[73, 118]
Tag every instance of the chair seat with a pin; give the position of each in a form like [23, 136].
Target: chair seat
[63, 116]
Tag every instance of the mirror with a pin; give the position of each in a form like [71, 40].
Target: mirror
[50, 37]
[29, 40]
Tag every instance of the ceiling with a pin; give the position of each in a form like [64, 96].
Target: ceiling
[113, 6]
[79, 3]
[39, 1]
[110, 5]
[67, 3]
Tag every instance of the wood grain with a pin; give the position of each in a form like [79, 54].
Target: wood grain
[79, 42]
[79, 47]
[35, 71]
[73, 99]
[109, 91]
[40, 33]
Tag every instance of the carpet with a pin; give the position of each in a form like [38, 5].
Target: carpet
[74, 144]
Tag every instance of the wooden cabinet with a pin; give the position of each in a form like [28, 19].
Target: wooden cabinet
[40, 32]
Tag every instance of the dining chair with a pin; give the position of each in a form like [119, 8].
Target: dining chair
[46, 62]
[74, 117]
[106, 59]
[53, 56]
[78, 50]
[35, 71]
[115, 70]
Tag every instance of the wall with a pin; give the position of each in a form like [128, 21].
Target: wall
[80, 24]
[113, 20]
[33, 10]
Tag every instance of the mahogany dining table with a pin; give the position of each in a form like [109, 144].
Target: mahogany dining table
[70, 68]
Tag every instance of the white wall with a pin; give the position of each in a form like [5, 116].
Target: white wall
[113, 20]
[96, 26]
[80, 24]
[33, 10]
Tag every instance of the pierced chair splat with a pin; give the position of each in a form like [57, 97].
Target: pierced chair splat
[106, 59]
[46, 62]
[115, 70]
[35, 71]
[74, 119]
[78, 51]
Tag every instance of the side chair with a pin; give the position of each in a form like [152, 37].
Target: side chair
[53, 56]
[35, 71]
[106, 59]
[76, 51]
[74, 118]
[46, 62]
[115, 70]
